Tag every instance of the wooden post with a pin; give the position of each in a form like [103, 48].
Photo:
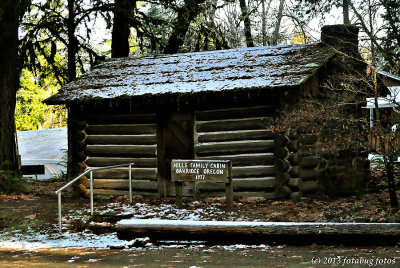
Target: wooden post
[229, 188]
[178, 193]
[195, 191]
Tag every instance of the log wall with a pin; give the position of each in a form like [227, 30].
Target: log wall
[113, 139]
[305, 164]
[76, 146]
[241, 135]
[312, 171]
[264, 164]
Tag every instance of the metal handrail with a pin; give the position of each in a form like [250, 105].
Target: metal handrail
[90, 170]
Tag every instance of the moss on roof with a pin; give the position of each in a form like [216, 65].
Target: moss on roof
[244, 68]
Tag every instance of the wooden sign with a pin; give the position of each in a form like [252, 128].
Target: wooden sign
[200, 170]
[33, 169]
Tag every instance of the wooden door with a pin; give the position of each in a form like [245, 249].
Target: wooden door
[175, 142]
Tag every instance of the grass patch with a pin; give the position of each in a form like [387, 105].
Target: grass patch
[12, 182]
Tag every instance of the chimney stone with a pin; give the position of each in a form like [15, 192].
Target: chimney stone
[343, 37]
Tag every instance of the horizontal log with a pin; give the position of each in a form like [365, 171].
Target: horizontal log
[255, 134]
[83, 180]
[78, 135]
[112, 192]
[309, 186]
[295, 182]
[247, 194]
[294, 159]
[293, 146]
[281, 152]
[122, 139]
[309, 162]
[296, 196]
[256, 232]
[83, 189]
[305, 174]
[255, 159]
[255, 111]
[121, 129]
[79, 145]
[282, 178]
[309, 174]
[79, 156]
[253, 171]
[256, 184]
[281, 165]
[283, 190]
[121, 150]
[120, 118]
[294, 171]
[120, 184]
[119, 173]
[187, 189]
[150, 194]
[232, 124]
[281, 140]
[110, 161]
[234, 147]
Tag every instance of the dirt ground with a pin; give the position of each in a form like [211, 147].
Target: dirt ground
[39, 208]
[35, 215]
[206, 256]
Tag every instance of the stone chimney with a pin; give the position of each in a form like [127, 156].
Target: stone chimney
[343, 37]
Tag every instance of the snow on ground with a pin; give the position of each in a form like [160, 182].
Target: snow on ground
[33, 240]
[163, 211]
[212, 212]
[36, 240]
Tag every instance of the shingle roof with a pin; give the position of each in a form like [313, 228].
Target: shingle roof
[243, 68]
[392, 76]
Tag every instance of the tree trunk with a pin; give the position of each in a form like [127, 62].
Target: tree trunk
[247, 24]
[388, 156]
[121, 31]
[73, 43]
[387, 54]
[275, 35]
[9, 76]
[390, 179]
[185, 15]
[263, 24]
[346, 18]
[371, 26]
[256, 232]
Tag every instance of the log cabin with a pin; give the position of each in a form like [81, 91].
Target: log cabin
[217, 105]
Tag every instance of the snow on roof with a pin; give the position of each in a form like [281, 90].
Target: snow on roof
[392, 76]
[390, 101]
[383, 102]
[243, 68]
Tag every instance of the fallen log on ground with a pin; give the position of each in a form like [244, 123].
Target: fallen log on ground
[260, 232]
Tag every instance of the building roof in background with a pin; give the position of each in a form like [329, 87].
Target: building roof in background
[392, 76]
[243, 68]
[390, 101]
